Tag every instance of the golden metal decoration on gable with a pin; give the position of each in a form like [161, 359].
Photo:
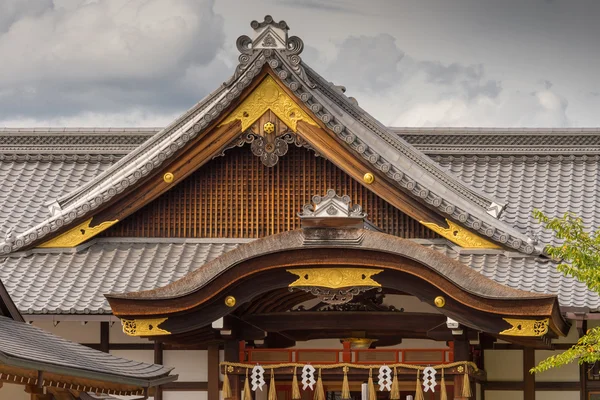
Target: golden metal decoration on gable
[144, 327]
[334, 278]
[368, 178]
[78, 234]
[526, 327]
[168, 177]
[268, 95]
[461, 236]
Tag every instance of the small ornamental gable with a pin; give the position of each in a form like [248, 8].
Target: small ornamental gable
[332, 210]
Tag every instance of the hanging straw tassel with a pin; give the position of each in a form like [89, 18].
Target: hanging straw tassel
[247, 391]
[319, 391]
[345, 385]
[226, 386]
[466, 389]
[372, 394]
[295, 388]
[272, 390]
[419, 390]
[395, 392]
[443, 395]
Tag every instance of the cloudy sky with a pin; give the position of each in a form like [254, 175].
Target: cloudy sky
[505, 63]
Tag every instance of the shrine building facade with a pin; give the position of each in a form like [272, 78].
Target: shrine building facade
[277, 240]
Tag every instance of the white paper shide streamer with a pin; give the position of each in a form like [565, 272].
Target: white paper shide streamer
[258, 378]
[385, 378]
[308, 377]
[429, 379]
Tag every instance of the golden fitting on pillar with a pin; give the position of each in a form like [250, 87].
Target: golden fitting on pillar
[168, 177]
[439, 302]
[230, 301]
[368, 178]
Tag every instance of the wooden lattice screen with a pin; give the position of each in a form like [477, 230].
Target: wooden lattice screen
[236, 196]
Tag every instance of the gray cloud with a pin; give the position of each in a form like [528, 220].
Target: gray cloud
[367, 62]
[109, 56]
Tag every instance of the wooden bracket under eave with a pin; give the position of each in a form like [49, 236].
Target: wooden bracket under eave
[78, 234]
[461, 236]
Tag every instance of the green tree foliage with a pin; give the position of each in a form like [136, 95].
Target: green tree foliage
[579, 257]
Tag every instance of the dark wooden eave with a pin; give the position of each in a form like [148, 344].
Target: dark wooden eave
[261, 266]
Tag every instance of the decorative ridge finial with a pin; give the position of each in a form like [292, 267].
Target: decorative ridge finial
[269, 21]
[270, 35]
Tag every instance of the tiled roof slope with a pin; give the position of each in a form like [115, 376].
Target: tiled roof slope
[41, 349]
[57, 282]
[553, 184]
[27, 188]
[75, 282]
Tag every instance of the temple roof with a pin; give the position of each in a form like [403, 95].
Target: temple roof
[56, 281]
[411, 171]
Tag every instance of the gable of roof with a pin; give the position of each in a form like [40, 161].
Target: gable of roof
[412, 173]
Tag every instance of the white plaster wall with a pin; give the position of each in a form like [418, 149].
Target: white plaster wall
[190, 365]
[74, 331]
[9, 391]
[571, 338]
[556, 395]
[146, 356]
[185, 395]
[477, 391]
[566, 373]
[504, 365]
[504, 395]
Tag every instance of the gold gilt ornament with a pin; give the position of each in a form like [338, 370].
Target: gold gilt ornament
[334, 278]
[269, 127]
[461, 236]
[78, 234]
[439, 302]
[368, 178]
[230, 301]
[168, 177]
[526, 327]
[268, 95]
[144, 327]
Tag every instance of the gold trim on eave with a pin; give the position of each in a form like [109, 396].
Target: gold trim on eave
[78, 234]
[461, 236]
[144, 327]
[334, 278]
[268, 95]
[526, 327]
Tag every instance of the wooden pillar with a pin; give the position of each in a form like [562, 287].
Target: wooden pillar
[104, 336]
[462, 352]
[582, 329]
[232, 354]
[213, 372]
[158, 359]
[529, 378]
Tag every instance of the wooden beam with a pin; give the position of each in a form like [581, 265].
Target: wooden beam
[104, 336]
[213, 372]
[346, 320]
[529, 378]
[158, 359]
